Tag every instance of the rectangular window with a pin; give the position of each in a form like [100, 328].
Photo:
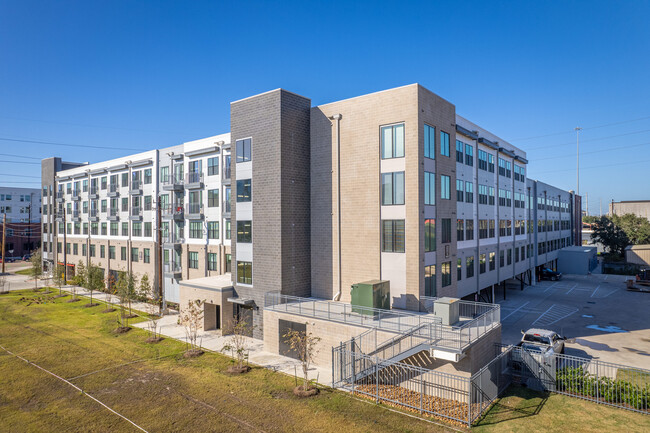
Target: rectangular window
[213, 198]
[83, 250]
[244, 231]
[125, 204]
[103, 206]
[429, 235]
[114, 229]
[125, 229]
[392, 236]
[429, 142]
[392, 141]
[103, 182]
[469, 192]
[445, 187]
[85, 228]
[94, 229]
[243, 190]
[392, 188]
[444, 144]
[490, 163]
[213, 166]
[134, 254]
[147, 229]
[146, 255]
[482, 160]
[212, 261]
[459, 269]
[136, 229]
[123, 253]
[111, 252]
[227, 229]
[245, 272]
[125, 179]
[469, 267]
[429, 188]
[469, 155]
[492, 230]
[213, 230]
[460, 230]
[193, 259]
[445, 230]
[196, 230]
[501, 259]
[446, 274]
[460, 190]
[147, 176]
[430, 281]
[481, 263]
[459, 151]
[243, 149]
[102, 251]
[482, 229]
[509, 255]
[147, 202]
[469, 229]
[492, 261]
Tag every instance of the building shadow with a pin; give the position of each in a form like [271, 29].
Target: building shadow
[517, 402]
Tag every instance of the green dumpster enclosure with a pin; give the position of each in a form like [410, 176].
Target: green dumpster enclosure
[370, 294]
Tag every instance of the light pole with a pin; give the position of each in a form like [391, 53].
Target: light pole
[578, 129]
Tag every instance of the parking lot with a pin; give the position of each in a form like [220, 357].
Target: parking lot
[607, 322]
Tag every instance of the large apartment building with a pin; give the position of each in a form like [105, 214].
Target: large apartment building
[21, 209]
[392, 186]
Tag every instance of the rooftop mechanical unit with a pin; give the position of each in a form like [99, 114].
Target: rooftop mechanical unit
[369, 296]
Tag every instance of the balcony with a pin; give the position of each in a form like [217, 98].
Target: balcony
[195, 211]
[113, 214]
[76, 216]
[94, 215]
[172, 270]
[60, 196]
[172, 182]
[136, 187]
[225, 178]
[94, 193]
[173, 240]
[58, 216]
[194, 180]
[173, 212]
[135, 214]
[76, 195]
[113, 190]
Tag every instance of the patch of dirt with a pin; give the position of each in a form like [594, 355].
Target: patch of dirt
[47, 292]
[154, 340]
[122, 329]
[108, 310]
[62, 295]
[73, 300]
[233, 369]
[131, 316]
[193, 353]
[89, 305]
[279, 394]
[301, 392]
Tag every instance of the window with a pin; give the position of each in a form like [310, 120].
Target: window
[111, 252]
[147, 229]
[445, 187]
[392, 141]
[134, 254]
[392, 188]
[103, 205]
[196, 231]
[146, 255]
[469, 230]
[460, 190]
[244, 231]
[125, 229]
[85, 207]
[103, 182]
[213, 230]
[481, 263]
[125, 204]
[429, 142]
[429, 188]
[136, 229]
[482, 229]
[147, 202]
[213, 198]
[123, 253]
[83, 250]
[516, 255]
[482, 160]
[430, 280]
[164, 174]
[492, 259]
[490, 163]
[212, 261]
[245, 272]
[94, 229]
[491, 196]
[102, 251]
[469, 192]
[509, 255]
[444, 145]
[445, 232]
[114, 229]
[227, 229]
[460, 230]
[429, 235]
[243, 190]
[147, 176]
[492, 231]
[193, 257]
[392, 236]
[446, 274]
[502, 227]
[85, 228]
[482, 194]
[469, 155]
[459, 151]
[459, 269]
[243, 149]
[469, 266]
[508, 169]
[213, 166]
[125, 179]
[84, 185]
[501, 259]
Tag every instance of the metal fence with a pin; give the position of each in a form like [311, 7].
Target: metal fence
[489, 383]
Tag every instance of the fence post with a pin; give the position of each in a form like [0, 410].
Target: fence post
[377, 380]
[469, 402]
[422, 388]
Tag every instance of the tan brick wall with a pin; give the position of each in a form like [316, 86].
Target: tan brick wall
[215, 297]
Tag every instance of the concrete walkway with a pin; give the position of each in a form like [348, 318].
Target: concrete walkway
[214, 341]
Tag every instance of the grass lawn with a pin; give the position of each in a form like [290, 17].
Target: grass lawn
[27, 271]
[166, 392]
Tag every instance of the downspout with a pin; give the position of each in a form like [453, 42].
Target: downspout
[338, 117]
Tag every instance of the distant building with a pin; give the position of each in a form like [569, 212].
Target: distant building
[22, 209]
[640, 208]
[639, 254]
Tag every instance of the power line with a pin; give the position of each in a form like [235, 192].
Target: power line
[22, 175]
[22, 162]
[595, 166]
[19, 156]
[72, 145]
[590, 127]
[594, 151]
[588, 140]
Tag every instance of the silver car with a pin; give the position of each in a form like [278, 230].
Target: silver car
[544, 338]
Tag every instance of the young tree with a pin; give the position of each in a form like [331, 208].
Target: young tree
[58, 277]
[144, 290]
[610, 235]
[240, 329]
[80, 275]
[304, 344]
[131, 286]
[3, 285]
[94, 280]
[37, 267]
[152, 311]
[191, 318]
[122, 292]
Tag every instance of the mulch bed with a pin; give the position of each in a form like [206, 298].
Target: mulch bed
[73, 300]
[122, 329]
[301, 392]
[193, 353]
[62, 295]
[94, 304]
[233, 369]
[108, 310]
[153, 340]
[131, 316]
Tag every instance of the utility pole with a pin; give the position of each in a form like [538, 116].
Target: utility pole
[4, 234]
[160, 256]
[601, 206]
[65, 249]
[587, 205]
[29, 224]
[578, 129]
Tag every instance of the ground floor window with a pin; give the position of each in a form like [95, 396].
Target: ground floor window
[212, 261]
[193, 259]
[245, 272]
[430, 280]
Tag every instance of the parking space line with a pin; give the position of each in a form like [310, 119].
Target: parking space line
[520, 307]
[576, 285]
[615, 290]
[550, 287]
[592, 295]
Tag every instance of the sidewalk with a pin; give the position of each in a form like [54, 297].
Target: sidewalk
[214, 341]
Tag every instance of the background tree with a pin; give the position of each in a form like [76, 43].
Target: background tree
[144, 289]
[304, 344]
[589, 219]
[191, 318]
[80, 275]
[37, 266]
[94, 280]
[637, 229]
[610, 235]
[131, 287]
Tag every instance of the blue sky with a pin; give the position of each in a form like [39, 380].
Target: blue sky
[139, 75]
